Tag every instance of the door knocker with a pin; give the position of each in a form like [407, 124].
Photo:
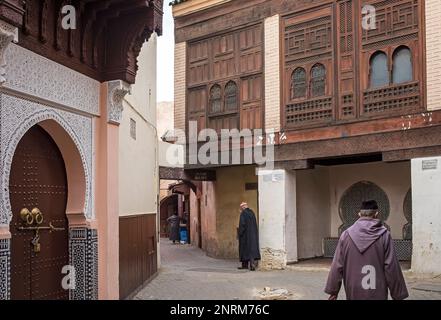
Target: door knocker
[34, 219]
[37, 215]
[26, 216]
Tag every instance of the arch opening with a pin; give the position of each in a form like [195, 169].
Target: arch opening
[75, 171]
[73, 156]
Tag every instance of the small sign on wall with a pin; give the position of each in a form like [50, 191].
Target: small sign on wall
[251, 186]
[277, 177]
[202, 175]
[430, 164]
[273, 177]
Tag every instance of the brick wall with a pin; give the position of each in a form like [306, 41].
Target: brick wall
[180, 69]
[272, 74]
[433, 53]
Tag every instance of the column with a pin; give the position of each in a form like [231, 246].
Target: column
[277, 218]
[106, 186]
[426, 215]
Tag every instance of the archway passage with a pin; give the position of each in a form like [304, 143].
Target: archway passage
[168, 206]
[38, 180]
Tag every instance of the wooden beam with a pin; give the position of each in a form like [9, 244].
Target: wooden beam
[12, 11]
[196, 174]
[366, 144]
[397, 123]
[172, 174]
[408, 154]
[294, 164]
[235, 14]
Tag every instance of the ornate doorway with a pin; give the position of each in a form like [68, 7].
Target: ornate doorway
[39, 226]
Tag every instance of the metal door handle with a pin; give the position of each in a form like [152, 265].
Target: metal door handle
[26, 216]
[38, 216]
[31, 216]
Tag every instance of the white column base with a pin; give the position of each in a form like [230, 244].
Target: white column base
[277, 218]
[426, 215]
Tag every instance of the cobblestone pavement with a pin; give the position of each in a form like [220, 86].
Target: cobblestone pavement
[188, 274]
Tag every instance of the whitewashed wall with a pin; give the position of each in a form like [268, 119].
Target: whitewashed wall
[426, 198]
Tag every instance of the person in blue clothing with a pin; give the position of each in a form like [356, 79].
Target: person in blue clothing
[183, 229]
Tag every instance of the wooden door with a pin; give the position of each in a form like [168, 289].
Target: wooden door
[38, 180]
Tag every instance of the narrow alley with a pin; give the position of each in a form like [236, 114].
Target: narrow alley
[188, 274]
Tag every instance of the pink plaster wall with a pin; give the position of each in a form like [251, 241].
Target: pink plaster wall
[4, 233]
[194, 219]
[208, 205]
[106, 201]
[220, 202]
[208, 218]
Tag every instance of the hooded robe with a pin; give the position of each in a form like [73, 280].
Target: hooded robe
[248, 235]
[174, 227]
[365, 260]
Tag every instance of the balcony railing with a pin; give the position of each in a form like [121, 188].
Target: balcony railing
[395, 97]
[307, 112]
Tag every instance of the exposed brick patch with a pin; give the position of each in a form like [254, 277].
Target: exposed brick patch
[433, 54]
[180, 70]
[272, 73]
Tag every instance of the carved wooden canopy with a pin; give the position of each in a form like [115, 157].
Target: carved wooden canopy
[106, 42]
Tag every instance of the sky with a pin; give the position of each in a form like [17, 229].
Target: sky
[165, 77]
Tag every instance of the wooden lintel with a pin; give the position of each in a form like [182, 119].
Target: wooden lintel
[294, 164]
[172, 174]
[408, 154]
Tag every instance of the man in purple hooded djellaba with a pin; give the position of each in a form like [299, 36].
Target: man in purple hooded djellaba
[365, 260]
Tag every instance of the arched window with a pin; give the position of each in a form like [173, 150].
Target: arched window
[215, 99]
[402, 65]
[379, 74]
[318, 78]
[352, 198]
[231, 99]
[298, 83]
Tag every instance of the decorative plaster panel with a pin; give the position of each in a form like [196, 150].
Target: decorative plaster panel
[17, 115]
[8, 34]
[116, 92]
[32, 74]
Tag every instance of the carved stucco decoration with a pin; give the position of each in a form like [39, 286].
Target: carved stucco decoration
[8, 34]
[17, 117]
[35, 75]
[116, 92]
